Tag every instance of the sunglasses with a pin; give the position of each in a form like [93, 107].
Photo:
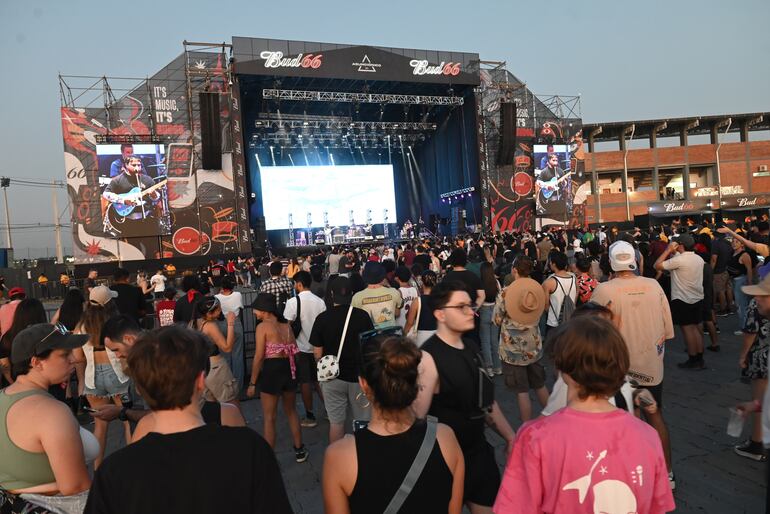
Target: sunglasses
[60, 328]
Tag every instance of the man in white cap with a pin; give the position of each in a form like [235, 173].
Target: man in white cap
[642, 315]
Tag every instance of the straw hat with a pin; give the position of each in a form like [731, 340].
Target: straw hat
[524, 301]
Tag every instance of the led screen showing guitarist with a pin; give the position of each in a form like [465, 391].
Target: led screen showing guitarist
[135, 204]
[553, 182]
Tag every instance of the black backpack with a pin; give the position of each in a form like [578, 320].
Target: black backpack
[296, 325]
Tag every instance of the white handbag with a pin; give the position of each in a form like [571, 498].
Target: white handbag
[328, 368]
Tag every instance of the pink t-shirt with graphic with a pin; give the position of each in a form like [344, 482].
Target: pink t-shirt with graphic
[580, 462]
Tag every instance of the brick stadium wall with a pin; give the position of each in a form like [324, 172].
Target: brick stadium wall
[738, 161]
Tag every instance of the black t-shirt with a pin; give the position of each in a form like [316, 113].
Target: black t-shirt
[327, 332]
[207, 469]
[456, 404]
[124, 183]
[470, 279]
[130, 300]
[724, 252]
[423, 259]
[217, 274]
[183, 310]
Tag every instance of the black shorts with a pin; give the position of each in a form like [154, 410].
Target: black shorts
[306, 368]
[686, 313]
[275, 377]
[482, 476]
[656, 391]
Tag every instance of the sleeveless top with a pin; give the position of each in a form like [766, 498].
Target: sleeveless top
[20, 469]
[734, 267]
[426, 320]
[274, 350]
[456, 403]
[568, 286]
[214, 347]
[379, 478]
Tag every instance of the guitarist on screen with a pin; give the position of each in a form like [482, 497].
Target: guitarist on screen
[551, 181]
[131, 178]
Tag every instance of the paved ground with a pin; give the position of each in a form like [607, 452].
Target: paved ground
[710, 477]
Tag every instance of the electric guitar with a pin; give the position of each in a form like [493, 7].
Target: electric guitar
[135, 195]
[548, 187]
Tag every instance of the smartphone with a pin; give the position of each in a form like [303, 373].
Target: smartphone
[359, 424]
[645, 401]
[88, 409]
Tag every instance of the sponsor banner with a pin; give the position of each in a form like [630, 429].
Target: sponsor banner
[746, 202]
[239, 170]
[679, 207]
[714, 191]
[255, 56]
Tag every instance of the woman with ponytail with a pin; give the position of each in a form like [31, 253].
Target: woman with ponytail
[364, 473]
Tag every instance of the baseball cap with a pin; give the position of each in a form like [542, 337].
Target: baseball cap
[341, 290]
[686, 240]
[760, 289]
[41, 337]
[622, 256]
[16, 291]
[101, 295]
[374, 273]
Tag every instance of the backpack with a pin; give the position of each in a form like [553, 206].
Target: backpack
[586, 286]
[567, 304]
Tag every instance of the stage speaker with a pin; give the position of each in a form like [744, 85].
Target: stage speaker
[507, 142]
[211, 131]
[260, 233]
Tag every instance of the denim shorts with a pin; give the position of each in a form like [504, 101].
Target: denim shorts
[106, 383]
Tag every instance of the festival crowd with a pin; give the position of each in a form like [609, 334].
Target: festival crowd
[405, 341]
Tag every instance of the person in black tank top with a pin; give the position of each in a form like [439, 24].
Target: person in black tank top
[459, 393]
[363, 473]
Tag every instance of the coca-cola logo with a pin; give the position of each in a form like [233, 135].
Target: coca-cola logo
[423, 67]
[277, 60]
[678, 207]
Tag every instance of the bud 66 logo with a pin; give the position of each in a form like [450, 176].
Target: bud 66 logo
[277, 60]
[422, 67]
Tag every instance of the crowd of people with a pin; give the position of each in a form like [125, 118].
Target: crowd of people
[404, 340]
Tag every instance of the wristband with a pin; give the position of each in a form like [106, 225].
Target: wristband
[252, 385]
[123, 416]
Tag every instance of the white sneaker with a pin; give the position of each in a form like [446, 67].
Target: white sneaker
[738, 333]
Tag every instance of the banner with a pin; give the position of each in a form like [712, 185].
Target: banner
[205, 208]
[746, 202]
[674, 208]
[254, 56]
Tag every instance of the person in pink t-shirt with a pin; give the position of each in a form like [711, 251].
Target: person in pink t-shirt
[590, 456]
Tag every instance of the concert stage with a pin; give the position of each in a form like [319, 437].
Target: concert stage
[233, 144]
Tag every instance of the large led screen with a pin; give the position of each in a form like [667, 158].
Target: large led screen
[133, 190]
[339, 193]
[553, 179]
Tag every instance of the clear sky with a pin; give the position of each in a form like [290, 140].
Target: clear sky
[628, 60]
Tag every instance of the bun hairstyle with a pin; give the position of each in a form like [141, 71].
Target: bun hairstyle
[389, 366]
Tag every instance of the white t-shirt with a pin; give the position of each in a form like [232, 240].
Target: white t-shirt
[686, 277]
[158, 281]
[311, 307]
[232, 302]
[409, 294]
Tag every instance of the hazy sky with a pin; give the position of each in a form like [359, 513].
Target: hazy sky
[628, 60]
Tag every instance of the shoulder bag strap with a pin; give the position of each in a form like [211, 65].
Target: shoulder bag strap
[416, 469]
[344, 332]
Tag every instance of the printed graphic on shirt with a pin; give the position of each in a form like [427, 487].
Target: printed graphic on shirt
[610, 496]
[379, 309]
